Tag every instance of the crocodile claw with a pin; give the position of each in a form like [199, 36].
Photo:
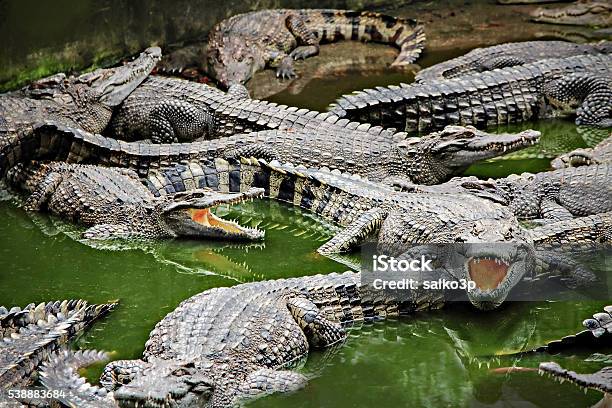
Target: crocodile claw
[285, 69]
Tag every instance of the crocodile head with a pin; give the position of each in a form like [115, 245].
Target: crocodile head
[189, 215]
[87, 100]
[592, 13]
[113, 85]
[235, 62]
[166, 384]
[482, 243]
[434, 158]
[600, 380]
[494, 269]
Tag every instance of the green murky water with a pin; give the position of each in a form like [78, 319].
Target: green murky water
[436, 359]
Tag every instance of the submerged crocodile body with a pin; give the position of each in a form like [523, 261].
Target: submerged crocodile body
[86, 101]
[547, 196]
[170, 110]
[507, 55]
[538, 90]
[113, 203]
[246, 43]
[601, 153]
[30, 335]
[584, 12]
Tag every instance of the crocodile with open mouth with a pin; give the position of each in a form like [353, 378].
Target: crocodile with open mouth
[541, 89]
[246, 43]
[113, 203]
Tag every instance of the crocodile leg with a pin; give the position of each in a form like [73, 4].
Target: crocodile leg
[43, 192]
[177, 120]
[553, 212]
[169, 121]
[355, 233]
[319, 331]
[297, 26]
[284, 63]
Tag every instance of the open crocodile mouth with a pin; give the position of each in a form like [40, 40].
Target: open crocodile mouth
[488, 272]
[191, 214]
[206, 218]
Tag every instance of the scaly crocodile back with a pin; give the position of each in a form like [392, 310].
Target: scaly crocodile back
[505, 55]
[328, 25]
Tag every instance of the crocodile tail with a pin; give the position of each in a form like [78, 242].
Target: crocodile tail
[406, 34]
[60, 372]
[38, 330]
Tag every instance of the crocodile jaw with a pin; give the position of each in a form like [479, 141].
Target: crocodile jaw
[190, 215]
[600, 381]
[494, 272]
[113, 85]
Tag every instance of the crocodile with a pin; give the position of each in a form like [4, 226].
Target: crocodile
[542, 197]
[246, 43]
[430, 159]
[171, 110]
[114, 204]
[185, 364]
[585, 12]
[213, 352]
[85, 101]
[30, 335]
[598, 335]
[601, 153]
[551, 87]
[507, 55]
